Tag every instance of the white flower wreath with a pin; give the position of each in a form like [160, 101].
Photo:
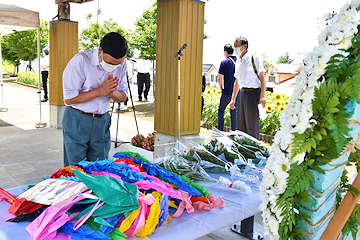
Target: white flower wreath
[297, 116]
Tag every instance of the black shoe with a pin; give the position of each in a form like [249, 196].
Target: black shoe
[44, 100]
[140, 100]
[145, 99]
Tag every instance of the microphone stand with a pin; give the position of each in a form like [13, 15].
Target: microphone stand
[116, 142]
[179, 55]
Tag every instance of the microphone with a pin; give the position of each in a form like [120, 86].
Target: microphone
[180, 50]
[183, 47]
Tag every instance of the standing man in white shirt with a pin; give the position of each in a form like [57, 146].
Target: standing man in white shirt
[253, 88]
[90, 79]
[45, 66]
[143, 77]
[249, 74]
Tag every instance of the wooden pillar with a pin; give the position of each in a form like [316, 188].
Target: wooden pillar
[179, 22]
[342, 214]
[63, 46]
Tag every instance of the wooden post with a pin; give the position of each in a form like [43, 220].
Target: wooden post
[179, 22]
[342, 214]
[63, 46]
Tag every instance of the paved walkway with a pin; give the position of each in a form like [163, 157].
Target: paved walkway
[28, 154]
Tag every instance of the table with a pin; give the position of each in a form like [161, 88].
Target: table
[238, 207]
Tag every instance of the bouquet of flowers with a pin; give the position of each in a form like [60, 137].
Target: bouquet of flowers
[146, 143]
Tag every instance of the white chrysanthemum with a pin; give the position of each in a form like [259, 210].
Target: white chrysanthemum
[286, 141]
[344, 14]
[280, 172]
[273, 226]
[302, 125]
[268, 179]
[274, 209]
[355, 3]
[298, 158]
[272, 195]
[265, 200]
[323, 36]
[349, 29]
[346, 43]
[336, 36]
[307, 96]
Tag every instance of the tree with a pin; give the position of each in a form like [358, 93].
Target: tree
[90, 37]
[265, 61]
[285, 58]
[144, 36]
[23, 45]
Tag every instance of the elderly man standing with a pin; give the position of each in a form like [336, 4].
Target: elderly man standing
[249, 74]
[90, 79]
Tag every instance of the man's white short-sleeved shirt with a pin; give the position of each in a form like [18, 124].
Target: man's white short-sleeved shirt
[244, 71]
[84, 73]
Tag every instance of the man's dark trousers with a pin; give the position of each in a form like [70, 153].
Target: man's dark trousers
[44, 75]
[248, 112]
[143, 79]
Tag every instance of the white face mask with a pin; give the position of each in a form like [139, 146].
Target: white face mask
[238, 52]
[106, 66]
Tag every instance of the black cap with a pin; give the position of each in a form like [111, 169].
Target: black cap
[114, 44]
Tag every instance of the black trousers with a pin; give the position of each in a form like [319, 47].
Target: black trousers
[248, 112]
[143, 79]
[44, 75]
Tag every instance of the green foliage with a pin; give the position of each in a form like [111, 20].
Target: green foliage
[285, 58]
[90, 37]
[8, 67]
[271, 124]
[144, 36]
[23, 45]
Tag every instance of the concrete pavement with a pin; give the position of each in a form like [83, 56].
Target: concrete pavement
[28, 154]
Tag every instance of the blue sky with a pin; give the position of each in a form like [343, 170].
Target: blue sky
[271, 27]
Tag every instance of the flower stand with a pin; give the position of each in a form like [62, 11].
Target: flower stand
[323, 192]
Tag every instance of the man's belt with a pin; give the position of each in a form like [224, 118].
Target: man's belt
[244, 89]
[93, 115]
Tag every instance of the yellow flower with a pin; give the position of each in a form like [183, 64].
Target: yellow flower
[208, 91]
[214, 90]
[278, 96]
[269, 108]
[267, 93]
[219, 92]
[278, 104]
[286, 102]
[282, 108]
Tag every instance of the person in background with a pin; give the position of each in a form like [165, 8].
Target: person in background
[143, 77]
[202, 92]
[45, 66]
[90, 79]
[226, 83]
